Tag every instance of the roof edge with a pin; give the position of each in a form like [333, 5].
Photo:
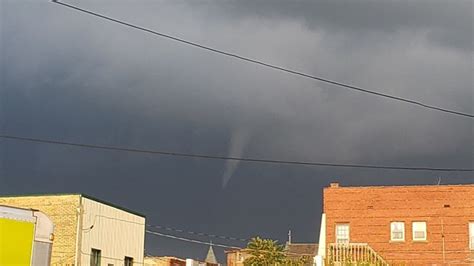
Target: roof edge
[75, 194]
[403, 186]
[113, 205]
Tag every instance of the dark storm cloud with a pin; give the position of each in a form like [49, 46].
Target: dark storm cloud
[445, 22]
[69, 76]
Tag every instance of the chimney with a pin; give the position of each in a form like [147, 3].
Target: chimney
[334, 185]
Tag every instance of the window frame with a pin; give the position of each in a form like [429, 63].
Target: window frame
[128, 261]
[96, 254]
[392, 231]
[346, 241]
[425, 238]
[240, 257]
[470, 228]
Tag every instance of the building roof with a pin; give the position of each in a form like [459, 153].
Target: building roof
[336, 185]
[302, 249]
[77, 194]
[235, 250]
[17, 208]
[163, 258]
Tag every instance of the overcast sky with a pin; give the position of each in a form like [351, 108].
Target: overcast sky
[69, 76]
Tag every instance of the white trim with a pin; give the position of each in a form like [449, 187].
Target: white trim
[471, 235]
[322, 237]
[77, 259]
[392, 231]
[18, 214]
[422, 225]
[348, 233]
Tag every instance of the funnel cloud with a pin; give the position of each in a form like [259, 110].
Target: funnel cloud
[72, 77]
[238, 141]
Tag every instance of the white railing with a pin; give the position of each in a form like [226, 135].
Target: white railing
[353, 254]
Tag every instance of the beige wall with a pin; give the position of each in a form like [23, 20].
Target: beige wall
[237, 257]
[152, 261]
[62, 211]
[115, 232]
[164, 261]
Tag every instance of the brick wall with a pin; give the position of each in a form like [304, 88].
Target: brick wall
[232, 258]
[370, 210]
[62, 211]
[164, 261]
[236, 257]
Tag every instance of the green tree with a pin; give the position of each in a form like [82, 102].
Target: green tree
[265, 252]
[299, 261]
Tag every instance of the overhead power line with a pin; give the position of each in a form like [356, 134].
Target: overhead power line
[215, 157]
[190, 240]
[258, 62]
[167, 228]
[181, 231]
[216, 244]
[230, 238]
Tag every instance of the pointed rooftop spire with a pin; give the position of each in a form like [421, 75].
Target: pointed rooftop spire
[211, 257]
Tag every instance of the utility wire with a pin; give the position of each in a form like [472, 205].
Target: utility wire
[167, 228]
[258, 62]
[200, 234]
[215, 157]
[190, 240]
[214, 244]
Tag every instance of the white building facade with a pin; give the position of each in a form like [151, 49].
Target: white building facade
[110, 235]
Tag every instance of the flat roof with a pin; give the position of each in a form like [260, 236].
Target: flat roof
[335, 185]
[18, 208]
[75, 194]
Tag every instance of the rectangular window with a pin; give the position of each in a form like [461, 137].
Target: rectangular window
[95, 257]
[471, 235]
[419, 231]
[128, 261]
[342, 233]
[240, 257]
[397, 231]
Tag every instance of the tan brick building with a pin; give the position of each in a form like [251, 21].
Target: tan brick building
[164, 261]
[87, 229]
[173, 261]
[416, 225]
[236, 257]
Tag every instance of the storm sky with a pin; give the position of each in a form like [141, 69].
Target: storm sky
[69, 76]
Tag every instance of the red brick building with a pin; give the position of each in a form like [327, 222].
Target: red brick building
[422, 225]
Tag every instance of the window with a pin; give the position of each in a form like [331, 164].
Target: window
[240, 257]
[471, 235]
[342, 233]
[397, 231]
[419, 231]
[95, 257]
[128, 261]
